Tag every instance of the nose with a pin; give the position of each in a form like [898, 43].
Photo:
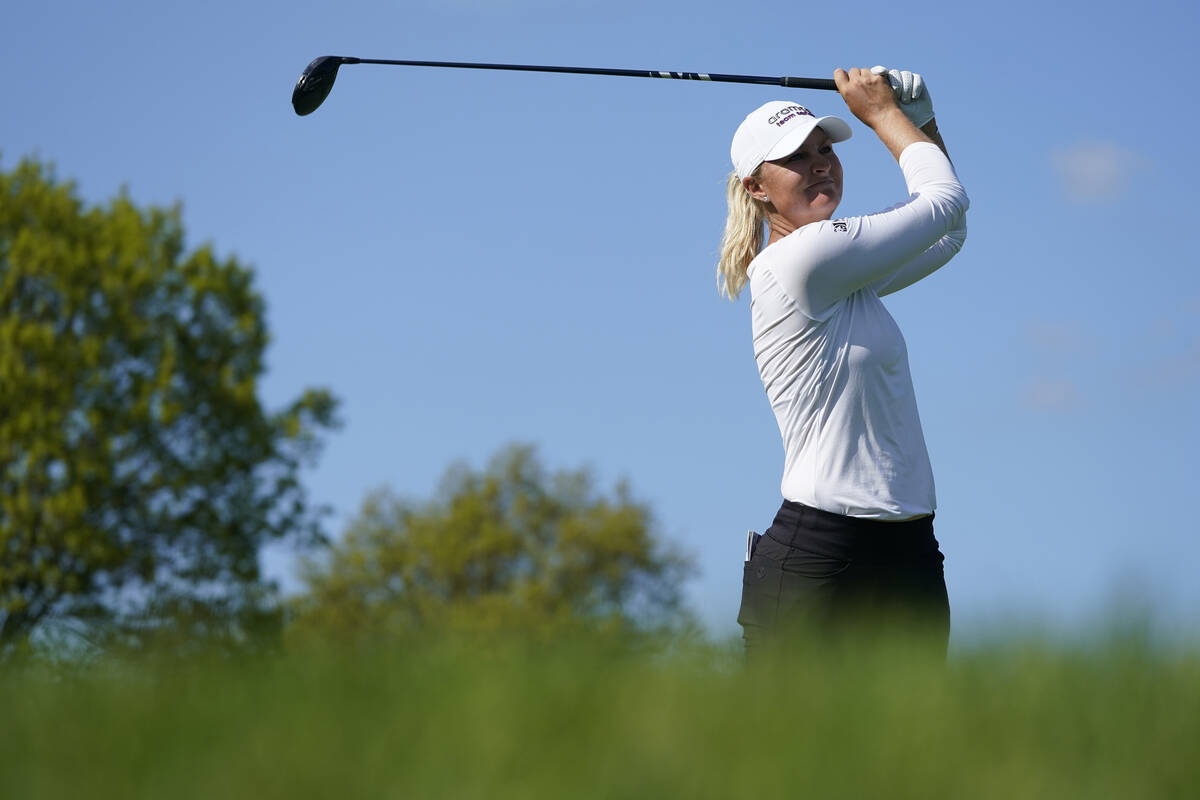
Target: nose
[820, 163]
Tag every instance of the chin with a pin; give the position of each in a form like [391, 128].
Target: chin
[827, 211]
[828, 201]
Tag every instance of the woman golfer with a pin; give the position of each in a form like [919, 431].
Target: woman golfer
[853, 542]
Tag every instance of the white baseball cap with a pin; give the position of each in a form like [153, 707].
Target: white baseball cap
[777, 129]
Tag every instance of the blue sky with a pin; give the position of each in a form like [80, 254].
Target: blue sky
[471, 258]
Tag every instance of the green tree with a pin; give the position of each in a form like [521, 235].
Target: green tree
[510, 547]
[139, 473]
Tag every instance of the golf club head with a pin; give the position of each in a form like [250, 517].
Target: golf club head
[316, 82]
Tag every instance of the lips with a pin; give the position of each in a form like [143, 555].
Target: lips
[819, 184]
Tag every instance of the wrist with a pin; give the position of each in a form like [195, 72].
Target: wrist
[897, 132]
[887, 118]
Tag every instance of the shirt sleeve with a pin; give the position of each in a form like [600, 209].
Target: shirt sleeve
[925, 264]
[824, 262]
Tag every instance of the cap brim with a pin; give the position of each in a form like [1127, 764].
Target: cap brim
[838, 131]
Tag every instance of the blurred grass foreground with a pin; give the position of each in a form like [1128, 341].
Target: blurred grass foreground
[588, 717]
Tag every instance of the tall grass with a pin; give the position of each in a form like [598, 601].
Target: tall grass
[583, 719]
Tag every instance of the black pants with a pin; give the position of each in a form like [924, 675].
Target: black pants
[815, 575]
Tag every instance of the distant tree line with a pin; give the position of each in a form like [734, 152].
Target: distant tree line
[509, 547]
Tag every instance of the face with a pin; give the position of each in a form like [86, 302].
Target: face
[803, 187]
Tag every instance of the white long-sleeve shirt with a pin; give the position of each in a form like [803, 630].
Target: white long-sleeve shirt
[832, 359]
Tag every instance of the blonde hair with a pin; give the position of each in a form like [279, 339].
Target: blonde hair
[743, 238]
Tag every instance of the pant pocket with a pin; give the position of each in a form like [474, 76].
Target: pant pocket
[813, 565]
[761, 581]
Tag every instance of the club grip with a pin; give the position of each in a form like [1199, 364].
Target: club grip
[809, 83]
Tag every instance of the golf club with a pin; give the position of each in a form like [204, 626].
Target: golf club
[317, 79]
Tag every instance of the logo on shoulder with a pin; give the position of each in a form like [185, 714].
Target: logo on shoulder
[840, 226]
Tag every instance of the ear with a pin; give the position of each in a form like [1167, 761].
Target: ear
[754, 186]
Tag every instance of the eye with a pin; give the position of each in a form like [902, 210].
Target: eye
[826, 150]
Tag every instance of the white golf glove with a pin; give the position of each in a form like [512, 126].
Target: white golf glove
[911, 93]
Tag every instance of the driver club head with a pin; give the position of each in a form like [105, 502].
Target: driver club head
[315, 83]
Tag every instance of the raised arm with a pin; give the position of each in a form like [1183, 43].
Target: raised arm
[822, 263]
[825, 262]
[913, 98]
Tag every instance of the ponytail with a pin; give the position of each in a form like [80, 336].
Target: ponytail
[743, 237]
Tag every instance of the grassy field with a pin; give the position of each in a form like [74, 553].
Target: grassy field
[580, 720]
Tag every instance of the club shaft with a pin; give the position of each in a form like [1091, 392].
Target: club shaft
[789, 82]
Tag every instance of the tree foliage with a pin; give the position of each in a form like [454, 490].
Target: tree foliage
[512, 546]
[138, 468]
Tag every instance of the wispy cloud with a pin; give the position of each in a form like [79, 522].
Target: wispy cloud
[1044, 393]
[1070, 366]
[1169, 348]
[1096, 171]
[1057, 350]
[1171, 370]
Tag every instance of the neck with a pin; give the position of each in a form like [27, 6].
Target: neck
[777, 228]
